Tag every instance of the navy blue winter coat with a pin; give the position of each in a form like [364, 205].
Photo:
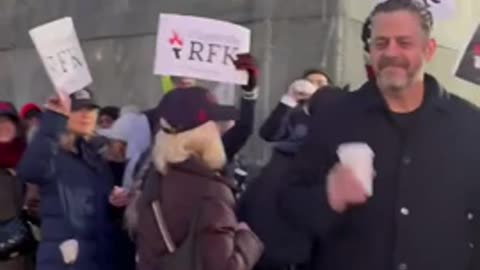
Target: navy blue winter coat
[74, 189]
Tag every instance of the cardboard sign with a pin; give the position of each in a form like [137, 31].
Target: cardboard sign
[59, 48]
[441, 9]
[200, 48]
[468, 64]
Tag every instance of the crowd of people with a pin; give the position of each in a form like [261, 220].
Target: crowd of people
[87, 188]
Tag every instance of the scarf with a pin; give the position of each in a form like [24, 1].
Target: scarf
[11, 152]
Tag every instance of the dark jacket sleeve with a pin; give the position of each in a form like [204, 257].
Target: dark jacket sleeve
[275, 127]
[236, 138]
[37, 164]
[303, 200]
[223, 247]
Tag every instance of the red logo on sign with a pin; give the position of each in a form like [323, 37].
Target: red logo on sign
[175, 39]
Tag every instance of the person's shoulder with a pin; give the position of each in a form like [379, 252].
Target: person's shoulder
[464, 113]
[461, 106]
[338, 102]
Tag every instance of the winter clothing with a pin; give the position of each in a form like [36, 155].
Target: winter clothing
[7, 109]
[74, 188]
[287, 128]
[287, 125]
[284, 244]
[30, 110]
[425, 206]
[133, 129]
[129, 109]
[186, 109]
[248, 63]
[234, 139]
[11, 198]
[11, 152]
[187, 188]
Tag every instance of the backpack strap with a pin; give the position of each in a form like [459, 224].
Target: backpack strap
[150, 186]
[162, 226]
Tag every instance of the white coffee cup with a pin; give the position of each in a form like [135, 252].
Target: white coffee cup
[69, 250]
[359, 157]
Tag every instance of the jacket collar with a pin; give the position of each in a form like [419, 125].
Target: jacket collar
[435, 96]
[196, 167]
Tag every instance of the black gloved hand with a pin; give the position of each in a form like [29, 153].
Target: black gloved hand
[247, 62]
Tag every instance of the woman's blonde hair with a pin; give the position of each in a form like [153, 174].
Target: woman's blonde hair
[203, 142]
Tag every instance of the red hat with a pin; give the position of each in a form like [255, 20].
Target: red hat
[28, 109]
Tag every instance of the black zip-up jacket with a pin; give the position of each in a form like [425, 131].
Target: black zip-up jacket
[425, 210]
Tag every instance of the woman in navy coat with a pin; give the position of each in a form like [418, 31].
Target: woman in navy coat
[74, 184]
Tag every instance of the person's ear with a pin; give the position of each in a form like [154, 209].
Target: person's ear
[430, 49]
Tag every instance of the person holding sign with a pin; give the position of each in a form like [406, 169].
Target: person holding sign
[75, 184]
[388, 178]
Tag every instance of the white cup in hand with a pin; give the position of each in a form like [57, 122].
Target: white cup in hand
[301, 90]
[359, 157]
[69, 250]
[344, 189]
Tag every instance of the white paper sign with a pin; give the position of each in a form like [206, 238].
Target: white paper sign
[200, 48]
[441, 9]
[59, 48]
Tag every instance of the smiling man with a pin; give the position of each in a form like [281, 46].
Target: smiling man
[424, 211]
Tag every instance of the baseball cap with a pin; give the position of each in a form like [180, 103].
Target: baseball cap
[30, 110]
[7, 109]
[187, 108]
[83, 99]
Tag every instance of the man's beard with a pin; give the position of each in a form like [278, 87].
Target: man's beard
[394, 84]
[397, 83]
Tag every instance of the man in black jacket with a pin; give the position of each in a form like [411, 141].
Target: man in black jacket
[424, 211]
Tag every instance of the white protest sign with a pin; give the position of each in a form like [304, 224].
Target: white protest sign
[441, 9]
[58, 46]
[200, 48]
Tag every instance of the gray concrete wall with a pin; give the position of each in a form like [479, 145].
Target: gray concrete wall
[118, 38]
